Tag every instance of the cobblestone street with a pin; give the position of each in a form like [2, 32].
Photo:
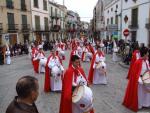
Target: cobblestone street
[107, 98]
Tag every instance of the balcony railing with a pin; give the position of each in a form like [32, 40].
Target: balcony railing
[9, 4]
[25, 27]
[12, 27]
[37, 28]
[147, 25]
[112, 27]
[23, 7]
[133, 25]
[1, 27]
[42, 28]
[55, 28]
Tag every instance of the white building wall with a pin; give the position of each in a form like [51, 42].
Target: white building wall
[39, 12]
[142, 33]
[125, 25]
[143, 14]
[108, 7]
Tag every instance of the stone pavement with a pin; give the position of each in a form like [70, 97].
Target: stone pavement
[107, 98]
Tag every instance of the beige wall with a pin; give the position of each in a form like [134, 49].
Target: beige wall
[17, 15]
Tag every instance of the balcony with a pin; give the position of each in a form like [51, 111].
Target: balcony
[1, 27]
[147, 25]
[9, 4]
[37, 28]
[12, 27]
[25, 27]
[55, 28]
[23, 7]
[41, 28]
[133, 26]
[112, 27]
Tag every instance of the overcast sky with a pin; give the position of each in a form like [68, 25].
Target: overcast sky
[83, 7]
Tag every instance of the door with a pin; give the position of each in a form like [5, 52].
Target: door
[0, 40]
[13, 39]
[38, 37]
[26, 38]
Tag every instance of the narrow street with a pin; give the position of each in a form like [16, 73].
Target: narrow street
[107, 98]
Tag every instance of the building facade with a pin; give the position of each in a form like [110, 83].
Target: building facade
[112, 14]
[99, 18]
[57, 15]
[15, 21]
[73, 24]
[40, 20]
[136, 18]
[85, 27]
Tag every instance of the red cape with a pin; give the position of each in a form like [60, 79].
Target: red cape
[66, 95]
[71, 54]
[90, 76]
[91, 49]
[132, 62]
[47, 83]
[35, 63]
[83, 55]
[131, 95]
[73, 44]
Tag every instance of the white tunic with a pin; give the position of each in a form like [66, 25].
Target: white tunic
[8, 59]
[88, 54]
[76, 52]
[79, 49]
[143, 95]
[56, 81]
[99, 77]
[115, 57]
[40, 56]
[137, 56]
[80, 80]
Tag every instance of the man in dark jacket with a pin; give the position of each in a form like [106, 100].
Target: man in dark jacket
[1, 56]
[27, 89]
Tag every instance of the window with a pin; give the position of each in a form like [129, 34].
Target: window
[0, 39]
[9, 4]
[55, 12]
[11, 22]
[133, 36]
[116, 20]
[51, 11]
[37, 22]
[135, 17]
[107, 21]
[36, 3]
[108, 11]
[1, 26]
[116, 6]
[45, 5]
[46, 23]
[134, 0]
[111, 9]
[23, 5]
[111, 20]
[24, 19]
